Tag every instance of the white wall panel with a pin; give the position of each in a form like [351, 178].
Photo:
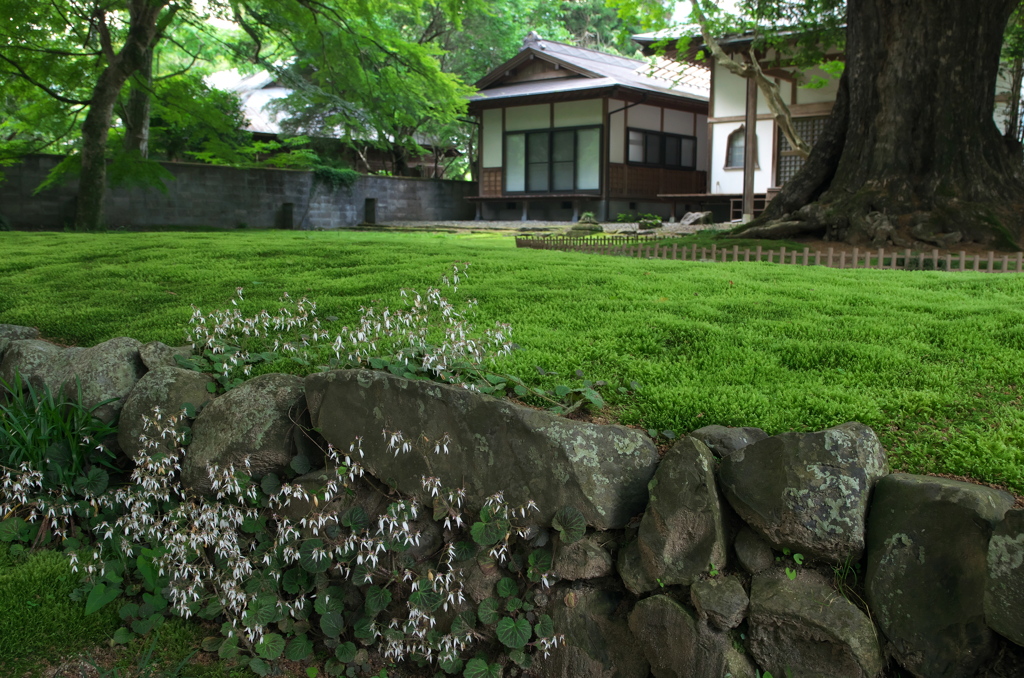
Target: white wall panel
[679, 122]
[645, 117]
[491, 152]
[578, 113]
[537, 116]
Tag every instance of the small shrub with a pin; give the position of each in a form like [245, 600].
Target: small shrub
[57, 436]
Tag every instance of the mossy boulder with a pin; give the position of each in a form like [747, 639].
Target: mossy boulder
[493, 446]
[264, 420]
[166, 388]
[927, 571]
[724, 440]
[9, 333]
[807, 491]
[40, 363]
[678, 645]
[107, 371]
[804, 627]
[1004, 591]
[598, 641]
[682, 531]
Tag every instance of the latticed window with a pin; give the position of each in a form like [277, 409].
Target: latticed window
[790, 161]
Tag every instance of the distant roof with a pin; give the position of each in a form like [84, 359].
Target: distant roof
[256, 92]
[594, 70]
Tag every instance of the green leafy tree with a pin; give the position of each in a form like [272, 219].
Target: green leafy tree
[911, 152]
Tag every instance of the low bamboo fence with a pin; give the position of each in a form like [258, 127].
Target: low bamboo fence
[648, 247]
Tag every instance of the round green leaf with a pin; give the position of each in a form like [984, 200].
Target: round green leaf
[489, 533]
[259, 667]
[123, 636]
[478, 668]
[355, 518]
[463, 623]
[487, 612]
[332, 624]
[570, 523]
[271, 646]
[229, 648]
[514, 603]
[507, 587]
[300, 464]
[514, 633]
[308, 558]
[544, 627]
[464, 550]
[299, 648]
[346, 652]
[377, 599]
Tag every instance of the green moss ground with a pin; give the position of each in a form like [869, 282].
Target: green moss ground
[932, 361]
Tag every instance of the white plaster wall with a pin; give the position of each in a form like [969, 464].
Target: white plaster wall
[537, 116]
[722, 180]
[578, 113]
[679, 122]
[645, 117]
[616, 132]
[813, 95]
[490, 154]
[730, 96]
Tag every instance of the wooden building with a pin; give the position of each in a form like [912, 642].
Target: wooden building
[564, 130]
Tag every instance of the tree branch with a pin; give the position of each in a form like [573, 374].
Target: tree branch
[752, 70]
[49, 91]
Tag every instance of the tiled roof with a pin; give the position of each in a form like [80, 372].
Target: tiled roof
[599, 70]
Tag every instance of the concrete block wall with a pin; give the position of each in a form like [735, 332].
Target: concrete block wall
[227, 197]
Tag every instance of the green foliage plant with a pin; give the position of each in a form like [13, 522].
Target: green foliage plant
[57, 436]
[280, 586]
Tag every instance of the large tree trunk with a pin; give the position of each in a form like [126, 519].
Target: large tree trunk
[137, 110]
[142, 32]
[911, 154]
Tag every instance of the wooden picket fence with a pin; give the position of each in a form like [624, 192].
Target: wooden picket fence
[654, 247]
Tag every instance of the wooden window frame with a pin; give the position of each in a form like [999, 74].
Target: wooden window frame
[551, 131]
[663, 137]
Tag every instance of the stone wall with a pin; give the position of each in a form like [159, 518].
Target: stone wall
[226, 197]
[731, 554]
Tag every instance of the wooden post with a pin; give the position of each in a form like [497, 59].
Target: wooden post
[855, 255]
[735, 252]
[949, 262]
[963, 261]
[881, 258]
[807, 254]
[749, 151]
[759, 256]
[714, 252]
[991, 255]
[977, 263]
[782, 255]
[1020, 261]
[829, 257]
[1006, 263]
[842, 259]
[674, 246]
[703, 254]
[746, 254]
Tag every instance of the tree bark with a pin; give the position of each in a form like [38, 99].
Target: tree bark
[137, 110]
[911, 154]
[142, 32]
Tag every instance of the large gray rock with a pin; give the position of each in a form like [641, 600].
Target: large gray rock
[598, 642]
[9, 333]
[261, 420]
[584, 559]
[681, 533]
[40, 363]
[807, 491]
[805, 628]
[107, 371]
[166, 388]
[752, 552]
[1004, 592]
[724, 440]
[157, 354]
[927, 571]
[677, 645]
[720, 600]
[495, 446]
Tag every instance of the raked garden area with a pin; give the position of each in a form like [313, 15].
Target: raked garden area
[932, 361]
